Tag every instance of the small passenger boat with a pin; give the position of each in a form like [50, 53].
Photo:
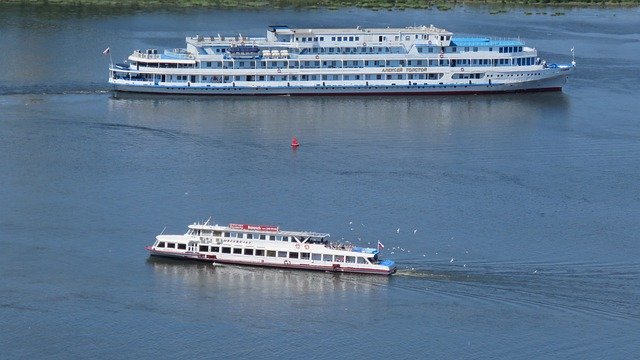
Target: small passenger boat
[266, 245]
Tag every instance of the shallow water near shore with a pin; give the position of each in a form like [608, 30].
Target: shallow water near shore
[513, 218]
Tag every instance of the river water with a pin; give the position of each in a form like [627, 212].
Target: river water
[513, 218]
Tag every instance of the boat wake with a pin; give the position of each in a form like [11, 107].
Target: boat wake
[603, 290]
[55, 90]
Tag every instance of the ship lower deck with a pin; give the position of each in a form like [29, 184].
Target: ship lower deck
[548, 84]
[276, 263]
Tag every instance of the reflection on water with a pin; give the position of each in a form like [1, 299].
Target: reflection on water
[366, 113]
[262, 280]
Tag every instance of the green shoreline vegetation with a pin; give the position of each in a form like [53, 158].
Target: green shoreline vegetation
[442, 5]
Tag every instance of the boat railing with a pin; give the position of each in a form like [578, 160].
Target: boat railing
[485, 38]
[339, 246]
[178, 54]
[146, 56]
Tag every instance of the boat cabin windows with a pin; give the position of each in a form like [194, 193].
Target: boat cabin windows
[259, 252]
[304, 256]
[237, 251]
[509, 49]
[248, 251]
[362, 260]
[316, 257]
[182, 246]
[171, 245]
[272, 237]
[215, 249]
[263, 237]
[293, 255]
[161, 244]
[339, 258]
[282, 254]
[226, 250]
[203, 248]
[327, 257]
[271, 253]
[350, 259]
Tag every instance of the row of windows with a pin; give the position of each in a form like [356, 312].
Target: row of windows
[173, 246]
[515, 75]
[268, 253]
[316, 38]
[339, 50]
[381, 38]
[333, 38]
[510, 49]
[354, 50]
[346, 77]
[276, 63]
[294, 64]
[393, 49]
[269, 78]
[239, 235]
[316, 64]
[467, 76]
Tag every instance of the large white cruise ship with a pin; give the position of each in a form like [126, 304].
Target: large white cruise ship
[412, 60]
[263, 245]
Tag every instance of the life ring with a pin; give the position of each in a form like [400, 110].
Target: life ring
[287, 262]
[462, 69]
[364, 44]
[429, 42]
[317, 57]
[306, 247]
[441, 56]
[297, 246]
[279, 71]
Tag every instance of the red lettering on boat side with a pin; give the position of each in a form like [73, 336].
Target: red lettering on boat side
[253, 227]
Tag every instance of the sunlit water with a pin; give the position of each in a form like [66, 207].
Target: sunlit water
[513, 218]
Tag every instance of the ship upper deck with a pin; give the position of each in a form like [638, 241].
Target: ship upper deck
[430, 30]
[484, 41]
[359, 36]
[257, 229]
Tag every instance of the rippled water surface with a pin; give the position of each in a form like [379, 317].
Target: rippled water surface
[513, 218]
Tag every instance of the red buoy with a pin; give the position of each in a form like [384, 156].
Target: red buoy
[294, 142]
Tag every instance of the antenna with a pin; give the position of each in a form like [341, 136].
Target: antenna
[573, 57]
[207, 222]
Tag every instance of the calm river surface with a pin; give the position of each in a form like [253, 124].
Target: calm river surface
[517, 214]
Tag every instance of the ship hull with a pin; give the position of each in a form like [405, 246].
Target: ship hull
[553, 83]
[275, 263]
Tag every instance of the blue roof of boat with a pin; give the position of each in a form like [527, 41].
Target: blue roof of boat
[389, 263]
[468, 41]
